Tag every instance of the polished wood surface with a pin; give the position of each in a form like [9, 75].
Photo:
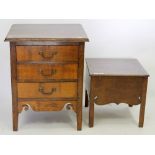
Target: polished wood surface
[115, 67]
[47, 32]
[117, 90]
[116, 85]
[44, 72]
[46, 105]
[47, 90]
[80, 85]
[47, 53]
[14, 86]
[143, 103]
[47, 63]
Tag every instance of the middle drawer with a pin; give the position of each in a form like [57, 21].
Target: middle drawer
[45, 72]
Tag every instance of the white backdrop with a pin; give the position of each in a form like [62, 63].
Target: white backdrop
[108, 38]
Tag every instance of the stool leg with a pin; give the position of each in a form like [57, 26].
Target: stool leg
[86, 98]
[143, 102]
[91, 111]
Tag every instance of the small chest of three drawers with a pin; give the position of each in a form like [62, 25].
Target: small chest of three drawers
[47, 68]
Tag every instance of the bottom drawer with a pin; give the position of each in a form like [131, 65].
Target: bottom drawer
[47, 90]
[46, 105]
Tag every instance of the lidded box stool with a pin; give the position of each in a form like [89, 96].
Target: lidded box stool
[116, 81]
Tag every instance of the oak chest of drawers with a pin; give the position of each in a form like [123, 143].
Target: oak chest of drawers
[47, 64]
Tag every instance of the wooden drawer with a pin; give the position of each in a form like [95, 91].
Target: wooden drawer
[45, 72]
[47, 90]
[47, 53]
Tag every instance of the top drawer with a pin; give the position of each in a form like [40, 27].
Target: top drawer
[47, 53]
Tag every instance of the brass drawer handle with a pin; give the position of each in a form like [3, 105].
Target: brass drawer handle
[41, 89]
[50, 56]
[51, 73]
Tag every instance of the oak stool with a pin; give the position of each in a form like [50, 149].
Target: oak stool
[116, 81]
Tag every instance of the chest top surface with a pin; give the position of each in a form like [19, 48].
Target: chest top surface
[115, 67]
[47, 32]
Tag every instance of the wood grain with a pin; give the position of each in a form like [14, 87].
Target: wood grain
[143, 102]
[47, 53]
[92, 102]
[80, 86]
[117, 90]
[62, 90]
[115, 67]
[47, 32]
[14, 85]
[46, 105]
[47, 68]
[124, 82]
[46, 72]
[46, 43]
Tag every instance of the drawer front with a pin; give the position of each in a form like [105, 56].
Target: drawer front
[45, 72]
[47, 53]
[47, 90]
